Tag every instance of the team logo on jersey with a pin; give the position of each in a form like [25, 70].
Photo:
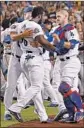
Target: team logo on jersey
[24, 26]
[36, 30]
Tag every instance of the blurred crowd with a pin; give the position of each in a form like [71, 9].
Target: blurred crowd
[13, 10]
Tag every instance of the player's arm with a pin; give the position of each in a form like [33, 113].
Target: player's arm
[45, 43]
[25, 34]
[57, 41]
[72, 38]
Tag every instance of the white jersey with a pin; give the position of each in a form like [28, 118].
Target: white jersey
[15, 47]
[72, 35]
[25, 43]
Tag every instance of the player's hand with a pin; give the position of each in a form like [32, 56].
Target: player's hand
[56, 37]
[67, 45]
[27, 33]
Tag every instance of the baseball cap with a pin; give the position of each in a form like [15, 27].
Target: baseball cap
[52, 15]
[28, 9]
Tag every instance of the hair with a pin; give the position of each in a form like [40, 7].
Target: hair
[37, 11]
[47, 22]
[64, 12]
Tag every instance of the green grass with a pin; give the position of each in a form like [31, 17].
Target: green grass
[27, 114]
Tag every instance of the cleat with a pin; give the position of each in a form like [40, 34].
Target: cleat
[7, 117]
[52, 105]
[47, 121]
[68, 120]
[17, 116]
[27, 106]
[60, 115]
[78, 116]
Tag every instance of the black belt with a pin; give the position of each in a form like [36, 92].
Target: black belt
[29, 52]
[32, 52]
[16, 56]
[64, 59]
[8, 53]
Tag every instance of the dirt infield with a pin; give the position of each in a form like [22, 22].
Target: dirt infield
[37, 124]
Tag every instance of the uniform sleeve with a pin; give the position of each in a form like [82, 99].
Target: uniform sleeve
[14, 27]
[38, 31]
[72, 35]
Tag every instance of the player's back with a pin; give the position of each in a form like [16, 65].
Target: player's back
[26, 42]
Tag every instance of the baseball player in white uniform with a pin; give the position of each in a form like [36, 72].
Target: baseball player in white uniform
[67, 42]
[56, 79]
[14, 71]
[48, 89]
[32, 65]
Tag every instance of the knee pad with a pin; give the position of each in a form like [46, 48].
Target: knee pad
[64, 88]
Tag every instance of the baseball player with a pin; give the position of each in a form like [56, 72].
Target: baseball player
[47, 69]
[3, 67]
[56, 82]
[10, 83]
[67, 42]
[14, 71]
[32, 64]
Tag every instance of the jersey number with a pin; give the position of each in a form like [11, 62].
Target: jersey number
[22, 41]
[72, 34]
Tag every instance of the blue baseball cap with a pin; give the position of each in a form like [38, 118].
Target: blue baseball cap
[28, 9]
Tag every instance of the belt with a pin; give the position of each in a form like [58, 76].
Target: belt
[32, 52]
[64, 59]
[16, 56]
[8, 53]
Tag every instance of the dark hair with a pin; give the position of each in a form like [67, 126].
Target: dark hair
[47, 22]
[37, 11]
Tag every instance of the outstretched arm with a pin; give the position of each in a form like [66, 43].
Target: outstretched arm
[25, 34]
[45, 43]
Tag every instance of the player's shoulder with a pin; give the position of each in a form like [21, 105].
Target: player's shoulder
[24, 22]
[13, 26]
[34, 26]
[69, 27]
